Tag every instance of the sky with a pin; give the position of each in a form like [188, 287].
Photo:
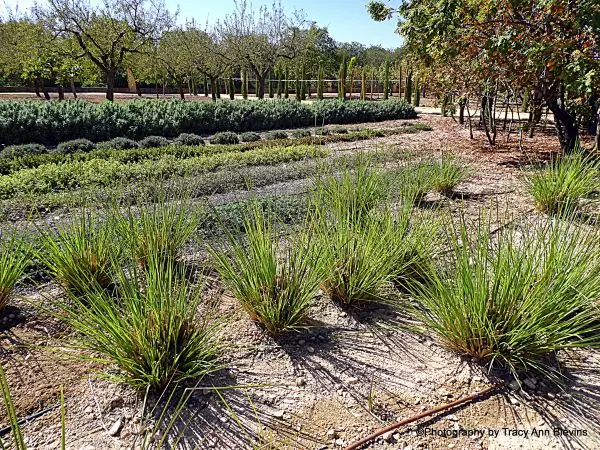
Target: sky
[346, 20]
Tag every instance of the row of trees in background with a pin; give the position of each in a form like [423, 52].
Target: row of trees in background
[544, 54]
[64, 42]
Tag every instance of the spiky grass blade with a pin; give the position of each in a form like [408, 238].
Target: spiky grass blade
[518, 298]
[13, 261]
[17, 434]
[275, 283]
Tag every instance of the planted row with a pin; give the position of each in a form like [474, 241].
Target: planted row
[55, 122]
[98, 172]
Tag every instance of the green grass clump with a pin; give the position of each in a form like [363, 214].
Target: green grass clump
[276, 285]
[415, 181]
[359, 260]
[189, 139]
[249, 136]
[352, 193]
[225, 138]
[276, 134]
[79, 253]
[157, 230]
[118, 143]
[517, 298]
[353, 238]
[447, 172]
[156, 329]
[20, 151]
[559, 187]
[75, 146]
[154, 142]
[13, 261]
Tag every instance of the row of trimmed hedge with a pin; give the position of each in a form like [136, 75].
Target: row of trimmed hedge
[53, 122]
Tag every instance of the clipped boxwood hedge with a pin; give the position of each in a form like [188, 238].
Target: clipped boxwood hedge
[154, 141]
[189, 139]
[225, 138]
[76, 146]
[276, 134]
[54, 122]
[18, 151]
[118, 143]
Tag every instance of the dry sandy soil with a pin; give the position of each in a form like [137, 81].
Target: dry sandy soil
[349, 373]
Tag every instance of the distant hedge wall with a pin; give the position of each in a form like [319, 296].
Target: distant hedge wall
[53, 122]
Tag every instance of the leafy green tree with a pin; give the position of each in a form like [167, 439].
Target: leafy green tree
[173, 58]
[108, 31]
[205, 51]
[549, 47]
[262, 38]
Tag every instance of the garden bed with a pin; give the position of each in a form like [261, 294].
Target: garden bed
[350, 372]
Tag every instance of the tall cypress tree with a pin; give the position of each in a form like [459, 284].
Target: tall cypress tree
[279, 72]
[342, 79]
[320, 83]
[231, 88]
[297, 88]
[245, 84]
[386, 80]
[409, 87]
[363, 92]
[303, 83]
[417, 93]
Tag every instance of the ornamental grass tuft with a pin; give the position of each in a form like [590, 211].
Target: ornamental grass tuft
[275, 283]
[558, 188]
[516, 298]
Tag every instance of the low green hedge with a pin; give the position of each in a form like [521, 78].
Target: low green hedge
[54, 122]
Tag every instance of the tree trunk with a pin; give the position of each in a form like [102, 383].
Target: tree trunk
[61, 92]
[73, 90]
[565, 123]
[181, 91]
[44, 89]
[138, 89]
[37, 83]
[461, 112]
[110, 85]
[213, 89]
[260, 80]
